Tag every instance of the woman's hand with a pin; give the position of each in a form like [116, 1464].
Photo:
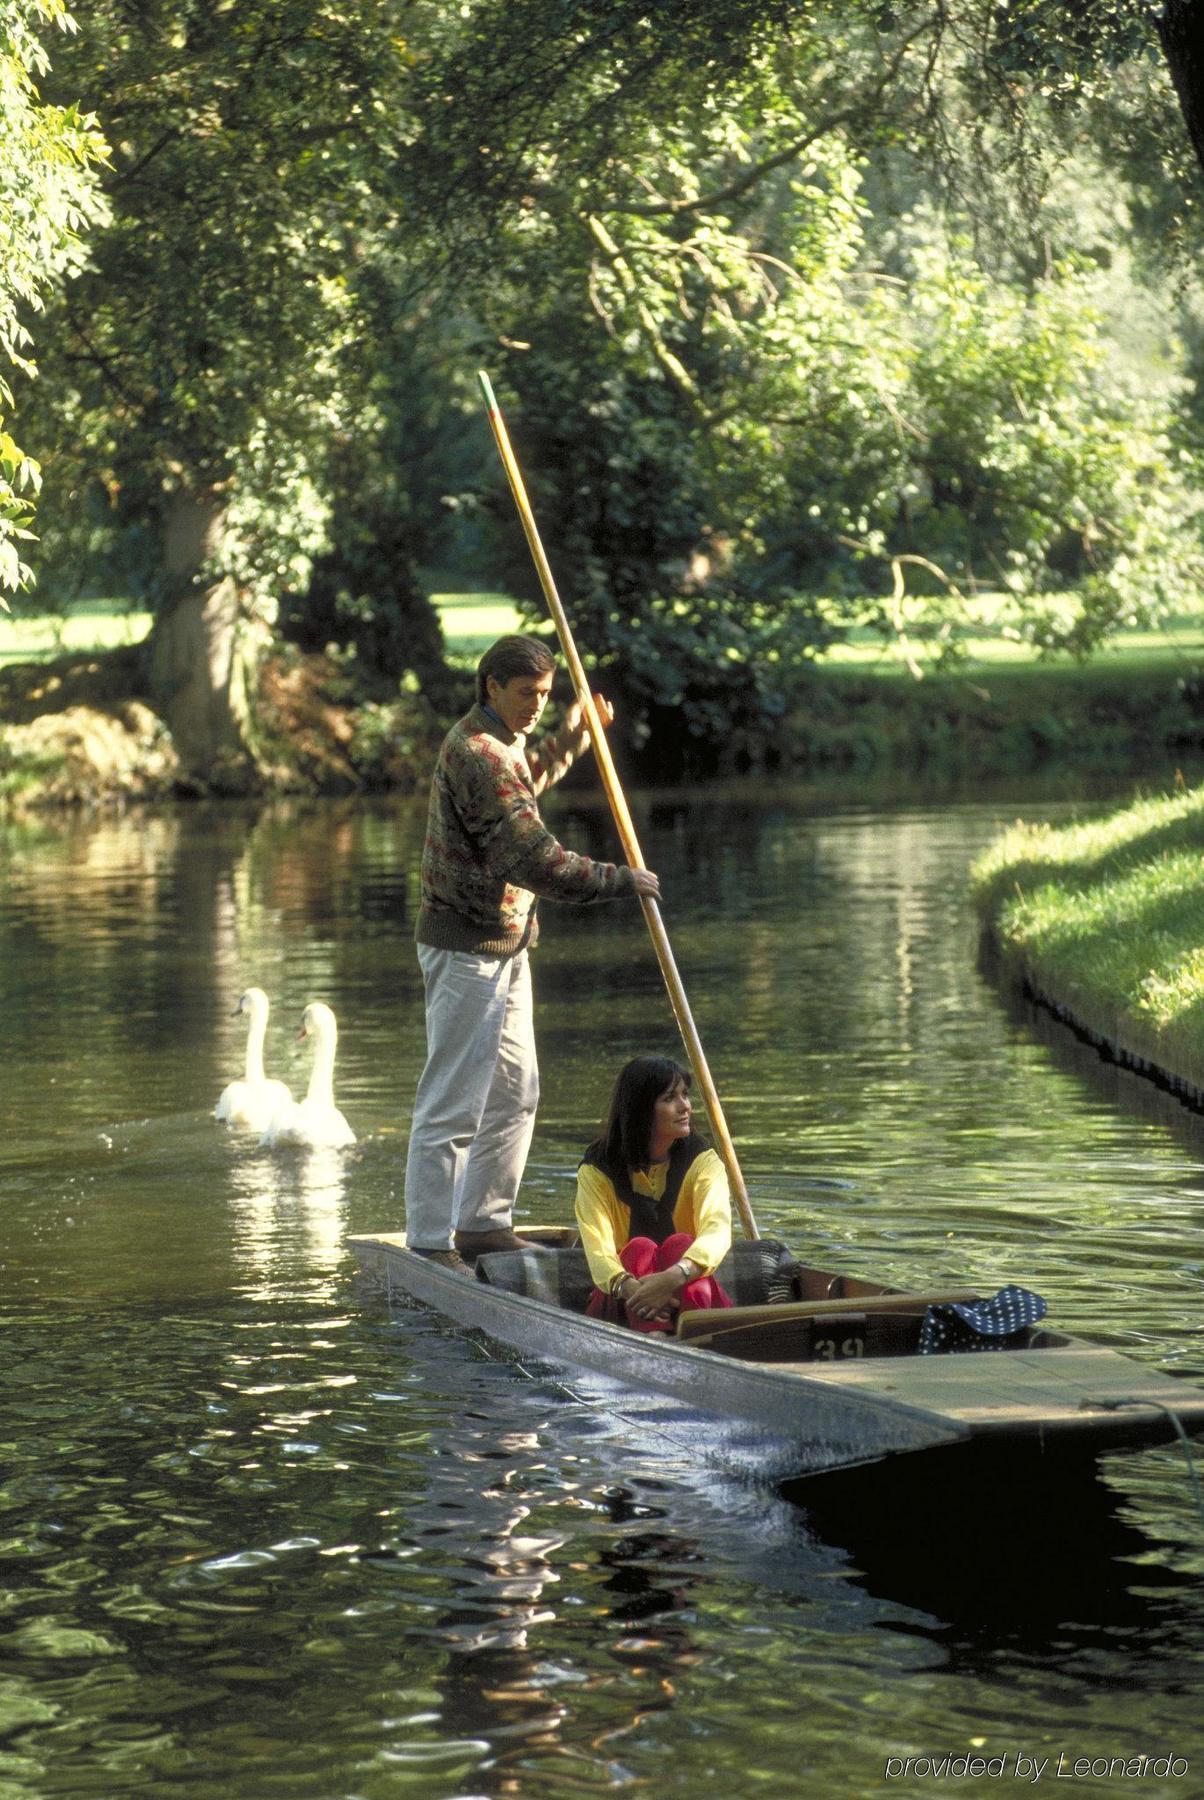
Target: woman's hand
[653, 1296]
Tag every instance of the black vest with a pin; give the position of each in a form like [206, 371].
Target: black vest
[651, 1218]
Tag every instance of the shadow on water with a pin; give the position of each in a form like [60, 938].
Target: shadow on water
[1010, 1548]
[507, 1644]
[1144, 1096]
[972, 1548]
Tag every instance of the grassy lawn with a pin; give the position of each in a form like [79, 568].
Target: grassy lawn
[471, 622]
[1108, 917]
[990, 635]
[1181, 641]
[89, 625]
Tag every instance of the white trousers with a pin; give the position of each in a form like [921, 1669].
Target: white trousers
[474, 1112]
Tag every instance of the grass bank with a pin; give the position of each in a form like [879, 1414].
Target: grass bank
[1000, 710]
[88, 626]
[1104, 923]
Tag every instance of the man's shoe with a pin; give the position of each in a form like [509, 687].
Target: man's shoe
[446, 1259]
[472, 1244]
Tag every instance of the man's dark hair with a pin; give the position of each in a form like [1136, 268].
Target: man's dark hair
[509, 657]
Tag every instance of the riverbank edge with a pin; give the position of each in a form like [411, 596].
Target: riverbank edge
[1099, 921]
[78, 733]
[1163, 1057]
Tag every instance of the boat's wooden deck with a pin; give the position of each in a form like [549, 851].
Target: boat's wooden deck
[1056, 1385]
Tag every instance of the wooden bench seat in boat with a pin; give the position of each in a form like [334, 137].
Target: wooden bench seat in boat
[885, 1324]
[760, 1272]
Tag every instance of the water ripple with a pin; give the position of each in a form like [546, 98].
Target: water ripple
[258, 1540]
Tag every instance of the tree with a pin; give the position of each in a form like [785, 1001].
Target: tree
[390, 479]
[199, 368]
[49, 158]
[1072, 54]
[1181, 28]
[524, 98]
[650, 373]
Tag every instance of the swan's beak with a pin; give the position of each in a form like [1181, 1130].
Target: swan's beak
[302, 1034]
[236, 1011]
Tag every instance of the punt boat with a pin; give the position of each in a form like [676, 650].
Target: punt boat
[811, 1370]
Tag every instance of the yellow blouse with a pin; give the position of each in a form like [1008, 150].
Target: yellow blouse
[703, 1210]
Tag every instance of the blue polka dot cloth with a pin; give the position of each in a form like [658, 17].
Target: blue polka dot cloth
[980, 1324]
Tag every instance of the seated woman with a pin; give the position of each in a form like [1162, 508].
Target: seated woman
[653, 1206]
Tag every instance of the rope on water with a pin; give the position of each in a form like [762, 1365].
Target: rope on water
[1115, 1405]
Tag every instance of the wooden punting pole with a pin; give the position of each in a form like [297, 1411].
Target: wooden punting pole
[622, 816]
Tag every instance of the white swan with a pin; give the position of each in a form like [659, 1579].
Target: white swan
[253, 1100]
[316, 1121]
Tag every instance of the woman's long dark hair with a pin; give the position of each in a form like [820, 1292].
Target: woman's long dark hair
[627, 1134]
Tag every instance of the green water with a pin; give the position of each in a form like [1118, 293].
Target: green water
[261, 1539]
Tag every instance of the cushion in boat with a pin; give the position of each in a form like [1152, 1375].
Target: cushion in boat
[759, 1272]
[558, 1277]
[753, 1273]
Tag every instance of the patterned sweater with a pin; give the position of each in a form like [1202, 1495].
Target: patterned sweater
[488, 854]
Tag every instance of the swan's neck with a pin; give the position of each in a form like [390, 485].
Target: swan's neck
[255, 1037]
[321, 1076]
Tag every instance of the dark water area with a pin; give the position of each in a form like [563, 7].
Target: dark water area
[261, 1538]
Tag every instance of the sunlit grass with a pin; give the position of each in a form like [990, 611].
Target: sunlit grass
[991, 633]
[867, 652]
[1110, 911]
[89, 625]
[471, 622]
[1095, 849]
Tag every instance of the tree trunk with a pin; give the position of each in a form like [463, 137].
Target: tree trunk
[1181, 29]
[203, 651]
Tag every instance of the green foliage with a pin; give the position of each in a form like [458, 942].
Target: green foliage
[661, 368]
[761, 415]
[531, 103]
[202, 352]
[1070, 50]
[1022, 460]
[48, 198]
[394, 742]
[362, 596]
[387, 479]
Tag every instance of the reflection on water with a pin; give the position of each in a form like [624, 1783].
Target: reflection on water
[257, 1539]
[288, 1206]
